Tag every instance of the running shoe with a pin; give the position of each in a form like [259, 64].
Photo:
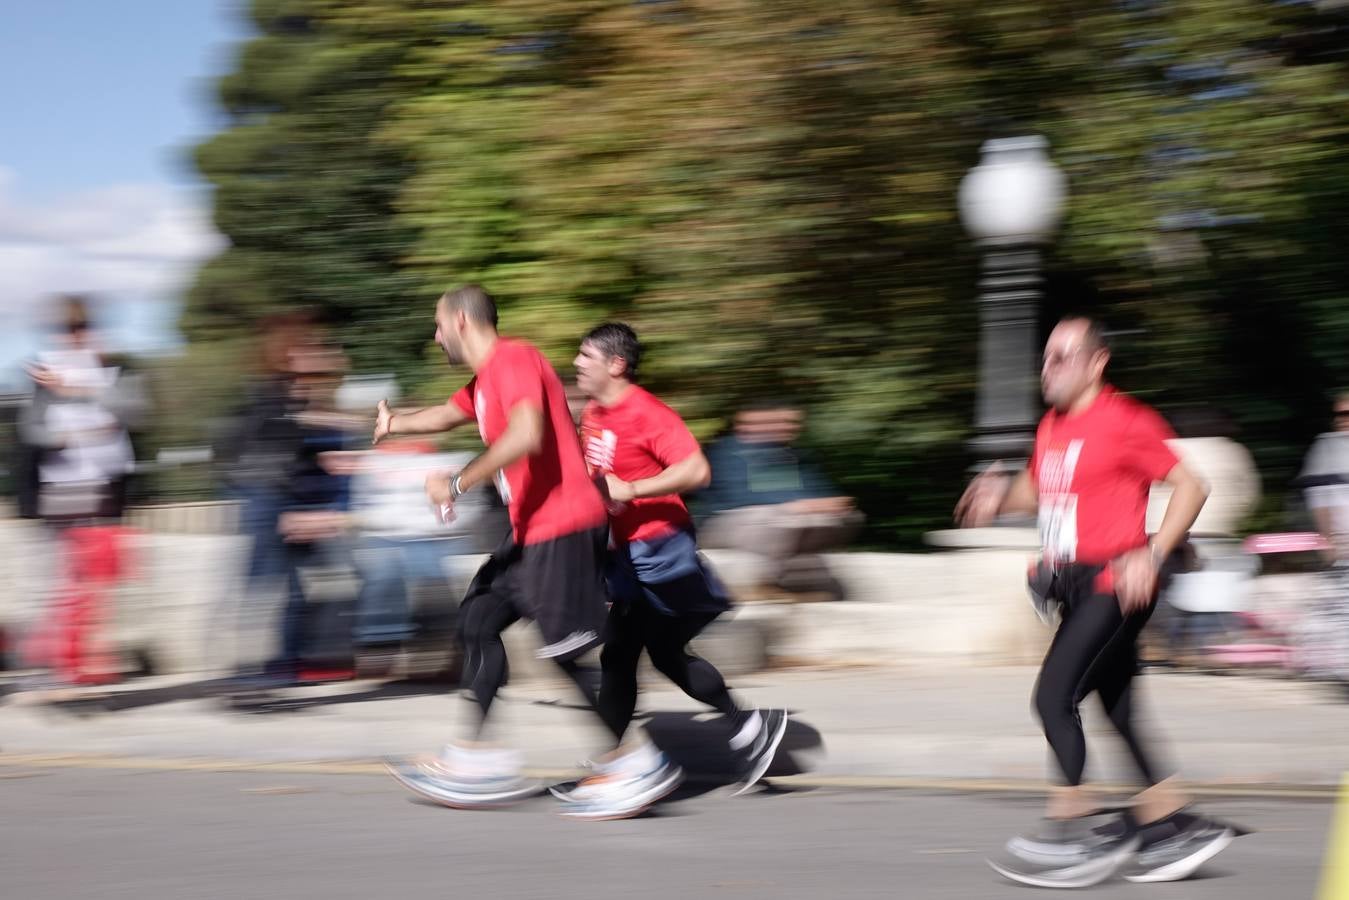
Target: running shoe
[465, 779]
[620, 792]
[762, 749]
[1069, 854]
[1058, 842]
[1174, 848]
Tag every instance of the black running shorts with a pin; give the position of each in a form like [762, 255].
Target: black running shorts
[558, 583]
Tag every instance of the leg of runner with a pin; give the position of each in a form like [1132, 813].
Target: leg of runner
[471, 774]
[562, 583]
[583, 677]
[1115, 688]
[755, 735]
[1174, 842]
[1095, 649]
[1090, 645]
[486, 618]
[1072, 848]
[634, 773]
[618, 665]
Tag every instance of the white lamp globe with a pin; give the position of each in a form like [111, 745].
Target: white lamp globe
[1015, 194]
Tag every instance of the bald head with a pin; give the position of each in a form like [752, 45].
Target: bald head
[474, 301]
[466, 318]
[1085, 331]
[1074, 362]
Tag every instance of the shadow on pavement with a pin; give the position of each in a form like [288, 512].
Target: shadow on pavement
[86, 701]
[699, 745]
[247, 695]
[271, 701]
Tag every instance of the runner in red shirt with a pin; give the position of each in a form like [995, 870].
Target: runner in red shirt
[642, 454]
[1097, 453]
[550, 569]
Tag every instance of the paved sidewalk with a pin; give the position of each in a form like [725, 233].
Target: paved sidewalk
[936, 724]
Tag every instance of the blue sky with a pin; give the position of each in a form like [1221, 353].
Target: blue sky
[100, 103]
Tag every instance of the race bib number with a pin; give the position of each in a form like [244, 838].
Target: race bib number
[1058, 527]
[600, 447]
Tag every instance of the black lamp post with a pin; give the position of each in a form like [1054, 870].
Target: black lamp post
[1010, 204]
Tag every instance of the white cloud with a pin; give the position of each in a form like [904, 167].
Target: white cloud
[130, 245]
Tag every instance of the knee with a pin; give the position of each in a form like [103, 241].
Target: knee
[475, 626]
[469, 634]
[673, 665]
[1052, 703]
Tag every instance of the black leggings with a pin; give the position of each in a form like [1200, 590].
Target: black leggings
[634, 627]
[1095, 649]
[482, 619]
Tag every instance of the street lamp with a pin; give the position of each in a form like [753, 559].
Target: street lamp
[1010, 203]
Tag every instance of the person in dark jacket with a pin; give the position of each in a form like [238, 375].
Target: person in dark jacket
[770, 499]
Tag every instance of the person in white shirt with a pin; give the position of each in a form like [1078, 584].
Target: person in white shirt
[402, 542]
[85, 449]
[1325, 480]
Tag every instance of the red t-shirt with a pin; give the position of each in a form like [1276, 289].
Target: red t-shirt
[1094, 471]
[549, 492]
[638, 437]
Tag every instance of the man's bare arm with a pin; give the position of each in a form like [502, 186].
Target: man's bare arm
[428, 420]
[1136, 572]
[1022, 497]
[689, 474]
[523, 436]
[1187, 499]
[990, 495]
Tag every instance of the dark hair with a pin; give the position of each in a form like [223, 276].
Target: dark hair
[281, 333]
[617, 339]
[474, 300]
[779, 403]
[74, 313]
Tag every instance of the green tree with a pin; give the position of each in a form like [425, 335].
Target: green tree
[765, 188]
[304, 187]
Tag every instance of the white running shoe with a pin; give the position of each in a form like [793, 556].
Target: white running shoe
[620, 792]
[465, 779]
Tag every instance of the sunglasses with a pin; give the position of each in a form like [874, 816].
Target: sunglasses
[1061, 358]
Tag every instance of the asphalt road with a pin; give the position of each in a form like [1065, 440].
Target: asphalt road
[70, 833]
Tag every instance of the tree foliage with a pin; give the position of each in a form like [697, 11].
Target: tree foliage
[765, 188]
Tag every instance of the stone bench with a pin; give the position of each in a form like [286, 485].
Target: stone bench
[185, 611]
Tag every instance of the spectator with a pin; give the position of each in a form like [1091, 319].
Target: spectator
[1323, 634]
[402, 544]
[84, 449]
[313, 519]
[257, 449]
[1325, 479]
[770, 499]
[83, 457]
